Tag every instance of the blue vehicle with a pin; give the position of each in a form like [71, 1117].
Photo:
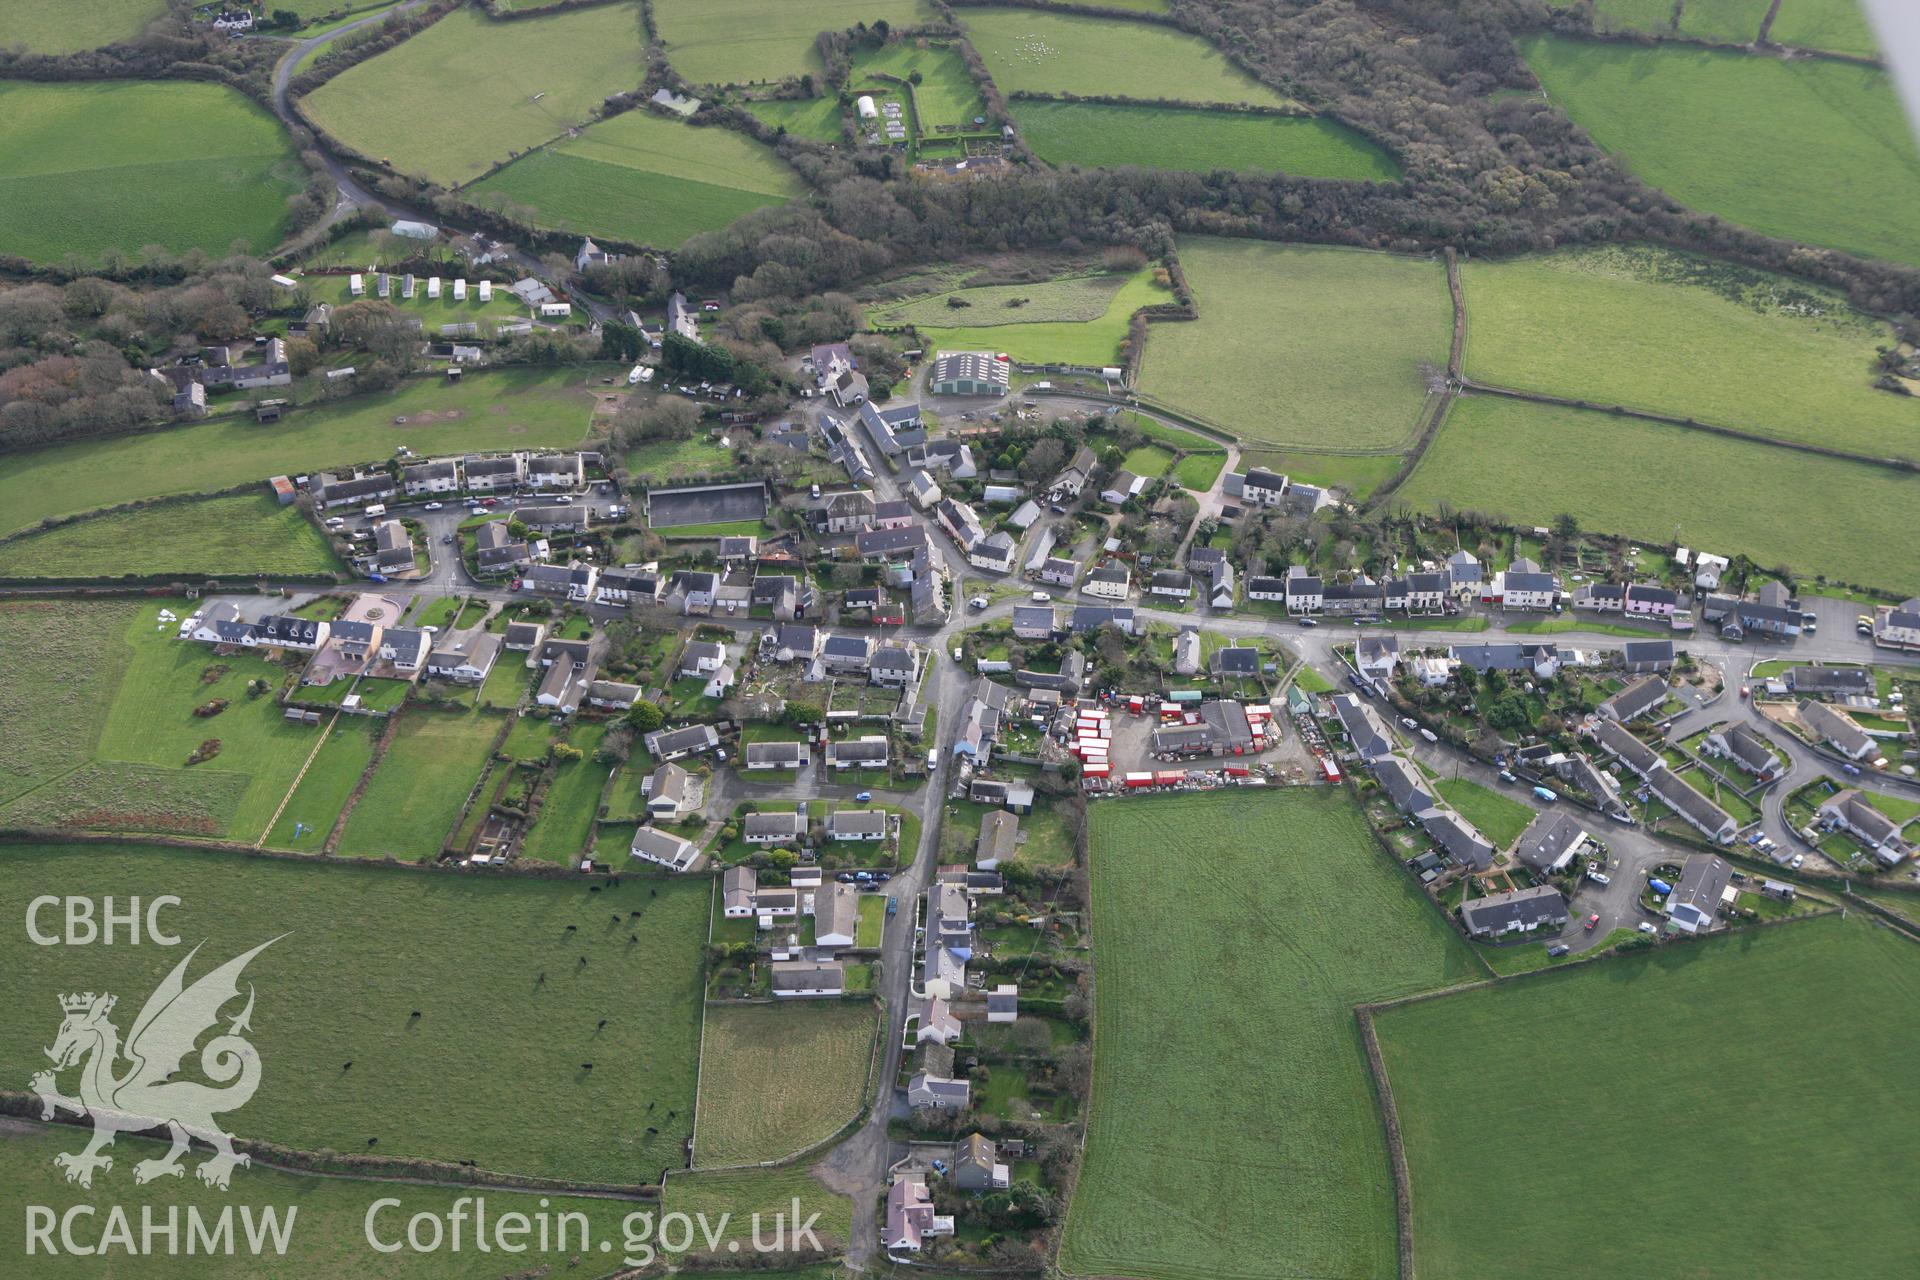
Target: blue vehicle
[893, 905]
[863, 876]
[864, 796]
[1660, 887]
[1851, 770]
[376, 577]
[1545, 794]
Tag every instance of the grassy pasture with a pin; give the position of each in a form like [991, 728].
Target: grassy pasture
[816, 118]
[78, 647]
[1106, 136]
[1668, 332]
[1838, 25]
[419, 785]
[1078, 320]
[237, 534]
[946, 94]
[1229, 1088]
[57, 29]
[467, 93]
[1718, 130]
[1046, 53]
[1499, 819]
[1772, 1124]
[329, 780]
[765, 1192]
[644, 178]
[367, 947]
[514, 408]
[1732, 21]
[1532, 462]
[776, 1078]
[743, 41]
[122, 763]
[1303, 345]
[210, 168]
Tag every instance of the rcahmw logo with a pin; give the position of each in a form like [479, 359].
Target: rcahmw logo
[128, 1087]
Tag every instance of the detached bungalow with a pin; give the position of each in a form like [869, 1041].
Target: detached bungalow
[663, 848]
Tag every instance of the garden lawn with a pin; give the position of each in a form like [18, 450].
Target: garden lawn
[1532, 462]
[1148, 460]
[816, 118]
[1108, 136]
[511, 408]
[507, 683]
[1027, 51]
[1230, 1092]
[1499, 819]
[1303, 345]
[1838, 25]
[1078, 320]
[329, 780]
[745, 41]
[58, 29]
[1198, 471]
[1668, 332]
[419, 785]
[643, 178]
[1356, 475]
[366, 970]
[945, 93]
[677, 459]
[1716, 130]
[1733, 1204]
[777, 1078]
[136, 777]
[766, 1192]
[572, 802]
[468, 92]
[210, 168]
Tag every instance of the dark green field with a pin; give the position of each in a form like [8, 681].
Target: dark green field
[1100, 135]
[1741, 1108]
[507, 998]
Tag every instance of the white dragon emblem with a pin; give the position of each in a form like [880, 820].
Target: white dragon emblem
[143, 1096]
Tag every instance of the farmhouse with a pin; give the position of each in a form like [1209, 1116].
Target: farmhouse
[1550, 843]
[663, 848]
[1837, 729]
[1515, 911]
[968, 373]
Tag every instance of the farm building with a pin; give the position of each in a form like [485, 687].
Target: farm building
[968, 373]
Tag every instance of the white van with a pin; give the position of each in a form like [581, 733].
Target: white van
[1040, 597]
[375, 511]
[933, 759]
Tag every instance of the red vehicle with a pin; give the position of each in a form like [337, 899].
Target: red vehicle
[1743, 691]
[1592, 921]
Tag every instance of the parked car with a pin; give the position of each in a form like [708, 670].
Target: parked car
[933, 759]
[1558, 949]
[433, 506]
[1309, 622]
[1410, 722]
[1507, 775]
[864, 796]
[978, 602]
[1851, 770]
[1545, 794]
[893, 904]
[1599, 877]
[1797, 859]
[845, 877]
[1644, 927]
[1744, 690]
[1863, 625]
[1593, 922]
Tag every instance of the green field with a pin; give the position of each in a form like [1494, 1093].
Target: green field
[572, 801]
[418, 787]
[945, 94]
[1077, 320]
[1106, 136]
[510, 409]
[1671, 333]
[742, 41]
[211, 168]
[1233, 1128]
[1356, 475]
[1048, 53]
[1499, 819]
[124, 764]
[1731, 21]
[816, 118]
[1532, 462]
[77, 647]
[1718, 130]
[759, 1191]
[468, 93]
[1303, 345]
[1149, 460]
[1839, 25]
[237, 534]
[777, 1078]
[1769, 1124]
[1198, 471]
[57, 29]
[503, 1002]
[329, 780]
[673, 459]
[643, 178]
